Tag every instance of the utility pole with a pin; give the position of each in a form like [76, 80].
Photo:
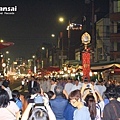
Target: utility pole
[61, 38]
[69, 41]
[93, 30]
[93, 25]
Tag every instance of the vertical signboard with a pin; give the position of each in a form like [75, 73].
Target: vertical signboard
[86, 64]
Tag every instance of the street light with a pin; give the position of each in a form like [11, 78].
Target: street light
[34, 66]
[61, 19]
[52, 35]
[4, 68]
[42, 58]
[43, 48]
[7, 52]
[1, 40]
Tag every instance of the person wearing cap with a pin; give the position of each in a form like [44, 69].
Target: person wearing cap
[40, 103]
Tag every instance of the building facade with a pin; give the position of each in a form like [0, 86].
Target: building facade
[114, 13]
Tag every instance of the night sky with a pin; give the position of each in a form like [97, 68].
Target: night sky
[35, 21]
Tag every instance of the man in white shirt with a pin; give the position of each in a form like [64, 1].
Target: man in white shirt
[101, 87]
[53, 84]
[76, 86]
[68, 86]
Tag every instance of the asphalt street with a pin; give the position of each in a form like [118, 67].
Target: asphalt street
[16, 85]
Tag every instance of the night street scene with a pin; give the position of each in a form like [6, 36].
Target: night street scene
[59, 59]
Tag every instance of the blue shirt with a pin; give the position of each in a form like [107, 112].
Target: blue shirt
[82, 114]
[69, 111]
[19, 104]
[58, 106]
[106, 101]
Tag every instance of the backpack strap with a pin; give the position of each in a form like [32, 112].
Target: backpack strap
[10, 112]
[98, 106]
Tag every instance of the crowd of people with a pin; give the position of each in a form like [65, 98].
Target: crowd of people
[61, 99]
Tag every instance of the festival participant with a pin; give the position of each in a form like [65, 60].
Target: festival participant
[8, 109]
[53, 84]
[82, 111]
[16, 99]
[101, 87]
[76, 86]
[69, 111]
[32, 83]
[111, 110]
[59, 104]
[40, 105]
[5, 86]
[68, 86]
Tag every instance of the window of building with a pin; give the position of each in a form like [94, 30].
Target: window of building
[118, 47]
[107, 31]
[117, 6]
[118, 27]
[100, 53]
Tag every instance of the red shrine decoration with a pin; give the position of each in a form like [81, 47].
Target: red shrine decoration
[86, 64]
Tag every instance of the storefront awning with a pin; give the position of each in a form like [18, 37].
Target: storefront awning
[5, 44]
[53, 68]
[101, 66]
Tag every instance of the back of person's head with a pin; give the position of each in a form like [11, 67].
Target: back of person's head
[86, 80]
[75, 95]
[93, 80]
[111, 92]
[53, 79]
[15, 94]
[89, 98]
[38, 114]
[36, 90]
[4, 98]
[6, 83]
[58, 90]
[90, 103]
[50, 94]
[118, 90]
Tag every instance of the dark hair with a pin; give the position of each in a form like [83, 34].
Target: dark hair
[90, 103]
[6, 83]
[35, 90]
[111, 92]
[50, 94]
[118, 90]
[54, 79]
[75, 95]
[4, 98]
[85, 79]
[15, 94]
[38, 114]
[58, 90]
